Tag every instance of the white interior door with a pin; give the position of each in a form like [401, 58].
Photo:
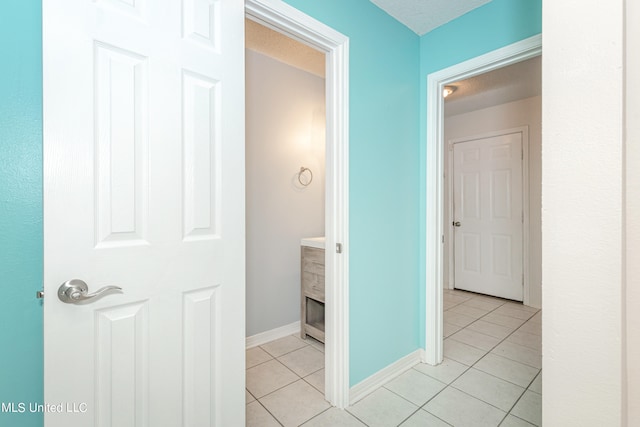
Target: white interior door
[488, 215]
[144, 189]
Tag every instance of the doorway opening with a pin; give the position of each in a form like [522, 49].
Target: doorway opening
[437, 209]
[287, 20]
[492, 165]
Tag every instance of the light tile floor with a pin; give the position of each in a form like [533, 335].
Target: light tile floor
[491, 376]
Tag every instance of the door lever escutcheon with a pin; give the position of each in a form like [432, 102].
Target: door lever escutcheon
[75, 291]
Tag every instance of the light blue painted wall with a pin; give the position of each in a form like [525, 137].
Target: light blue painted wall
[389, 65]
[487, 28]
[20, 208]
[384, 188]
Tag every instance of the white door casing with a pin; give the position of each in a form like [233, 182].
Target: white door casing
[144, 189]
[488, 214]
[434, 235]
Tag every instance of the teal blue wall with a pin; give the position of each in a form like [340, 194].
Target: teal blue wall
[388, 69]
[489, 27]
[20, 208]
[384, 170]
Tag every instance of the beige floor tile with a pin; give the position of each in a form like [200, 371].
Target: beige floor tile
[474, 312]
[489, 389]
[334, 417]
[415, 386]
[461, 352]
[512, 421]
[507, 369]
[256, 356]
[304, 361]
[476, 339]
[445, 372]
[457, 318]
[257, 416]
[382, 408]
[248, 397]
[461, 410]
[295, 403]
[519, 353]
[532, 328]
[315, 344]
[526, 339]
[517, 312]
[446, 305]
[449, 329]
[536, 385]
[484, 304]
[521, 306]
[317, 380]
[500, 319]
[537, 318]
[268, 377]
[454, 297]
[492, 329]
[529, 408]
[423, 419]
[283, 346]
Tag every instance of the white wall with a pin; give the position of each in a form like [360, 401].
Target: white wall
[632, 214]
[285, 129]
[582, 213]
[526, 112]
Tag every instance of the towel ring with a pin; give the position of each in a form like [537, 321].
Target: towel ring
[303, 170]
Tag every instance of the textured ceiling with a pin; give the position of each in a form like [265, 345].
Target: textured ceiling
[271, 43]
[514, 82]
[422, 16]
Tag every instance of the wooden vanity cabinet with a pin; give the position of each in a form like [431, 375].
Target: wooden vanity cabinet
[312, 293]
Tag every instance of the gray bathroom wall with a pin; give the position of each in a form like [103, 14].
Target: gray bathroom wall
[285, 130]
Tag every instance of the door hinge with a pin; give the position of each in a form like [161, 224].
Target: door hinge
[522, 217]
[338, 248]
[40, 294]
[443, 238]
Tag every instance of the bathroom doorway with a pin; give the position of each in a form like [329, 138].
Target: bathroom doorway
[306, 177]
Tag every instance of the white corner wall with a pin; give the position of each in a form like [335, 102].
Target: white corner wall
[582, 213]
[526, 112]
[285, 129]
[632, 215]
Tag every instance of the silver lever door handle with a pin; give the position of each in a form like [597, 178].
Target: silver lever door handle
[75, 291]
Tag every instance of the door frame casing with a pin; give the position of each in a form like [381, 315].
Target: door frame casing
[524, 130]
[511, 54]
[285, 19]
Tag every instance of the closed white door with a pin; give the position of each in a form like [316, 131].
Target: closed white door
[144, 190]
[488, 215]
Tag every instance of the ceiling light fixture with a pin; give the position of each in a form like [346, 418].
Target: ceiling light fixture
[448, 90]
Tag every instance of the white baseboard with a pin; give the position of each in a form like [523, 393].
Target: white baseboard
[273, 334]
[369, 385]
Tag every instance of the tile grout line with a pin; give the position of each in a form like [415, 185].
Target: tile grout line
[525, 389]
[463, 372]
[269, 412]
[280, 388]
[450, 384]
[446, 385]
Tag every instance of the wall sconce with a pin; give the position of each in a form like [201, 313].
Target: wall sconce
[448, 90]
